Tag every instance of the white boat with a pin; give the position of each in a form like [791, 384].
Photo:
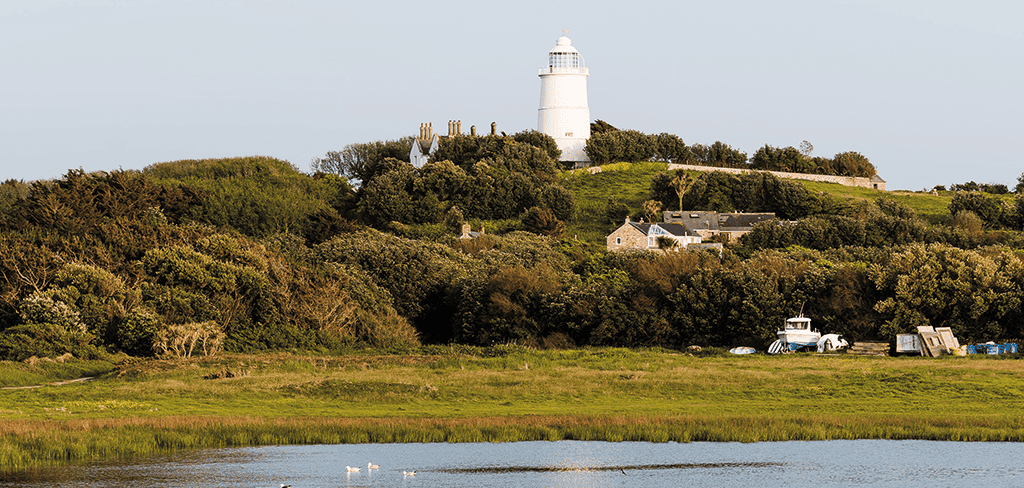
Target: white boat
[797, 334]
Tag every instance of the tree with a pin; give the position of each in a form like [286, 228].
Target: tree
[361, 162]
[786, 159]
[652, 210]
[621, 145]
[390, 197]
[719, 155]
[681, 183]
[806, 149]
[853, 164]
[600, 127]
[560, 201]
[966, 221]
[540, 140]
[666, 243]
[972, 292]
[542, 221]
[672, 149]
[987, 207]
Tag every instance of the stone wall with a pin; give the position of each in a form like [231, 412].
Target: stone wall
[857, 181]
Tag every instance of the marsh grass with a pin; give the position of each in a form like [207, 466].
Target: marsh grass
[508, 394]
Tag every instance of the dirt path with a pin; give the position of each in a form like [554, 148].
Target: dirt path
[58, 383]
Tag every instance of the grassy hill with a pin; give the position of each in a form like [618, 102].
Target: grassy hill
[629, 183]
[932, 208]
[622, 182]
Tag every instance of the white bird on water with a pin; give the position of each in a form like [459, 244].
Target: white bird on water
[408, 473]
[372, 466]
[352, 470]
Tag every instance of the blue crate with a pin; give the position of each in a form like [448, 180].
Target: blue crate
[971, 349]
[990, 348]
[1011, 347]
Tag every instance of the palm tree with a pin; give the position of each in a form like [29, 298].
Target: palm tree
[681, 182]
[666, 243]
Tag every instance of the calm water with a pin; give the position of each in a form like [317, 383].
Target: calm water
[563, 464]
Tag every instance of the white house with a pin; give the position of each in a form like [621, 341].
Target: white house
[423, 146]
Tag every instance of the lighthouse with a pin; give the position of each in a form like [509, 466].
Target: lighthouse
[564, 114]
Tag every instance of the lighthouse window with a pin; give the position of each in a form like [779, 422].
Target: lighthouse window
[568, 134]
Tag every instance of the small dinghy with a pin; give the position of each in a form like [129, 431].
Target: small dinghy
[743, 350]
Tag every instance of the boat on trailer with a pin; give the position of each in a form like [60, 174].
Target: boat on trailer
[797, 334]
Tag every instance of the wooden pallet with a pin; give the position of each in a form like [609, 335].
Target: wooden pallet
[869, 349]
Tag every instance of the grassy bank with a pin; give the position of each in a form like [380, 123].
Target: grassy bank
[508, 394]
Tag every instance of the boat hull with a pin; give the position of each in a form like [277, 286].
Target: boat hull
[800, 339]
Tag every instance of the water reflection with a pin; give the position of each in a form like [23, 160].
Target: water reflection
[559, 464]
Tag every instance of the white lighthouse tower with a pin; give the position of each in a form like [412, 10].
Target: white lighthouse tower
[564, 114]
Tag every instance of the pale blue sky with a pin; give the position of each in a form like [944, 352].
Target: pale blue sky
[930, 91]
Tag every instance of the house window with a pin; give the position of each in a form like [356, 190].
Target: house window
[650, 241]
[618, 241]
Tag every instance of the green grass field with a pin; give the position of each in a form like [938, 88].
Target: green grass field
[506, 394]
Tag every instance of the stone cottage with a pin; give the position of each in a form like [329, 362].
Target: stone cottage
[644, 236]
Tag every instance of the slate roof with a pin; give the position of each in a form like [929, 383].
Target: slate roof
[678, 230]
[711, 220]
[734, 220]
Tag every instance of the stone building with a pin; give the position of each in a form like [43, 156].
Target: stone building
[638, 236]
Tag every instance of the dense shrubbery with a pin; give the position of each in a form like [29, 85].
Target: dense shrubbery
[488, 177]
[248, 254]
[257, 196]
[130, 273]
